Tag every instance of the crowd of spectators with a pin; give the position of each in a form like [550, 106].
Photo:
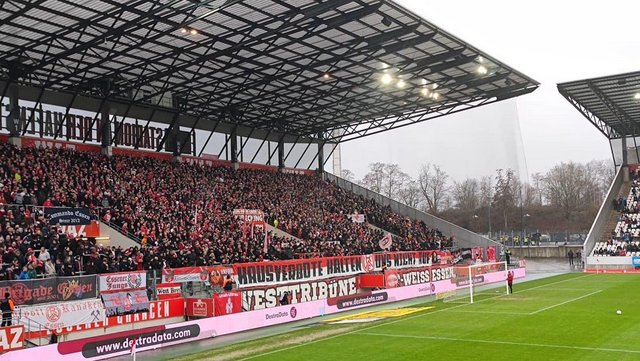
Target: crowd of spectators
[180, 213]
[621, 241]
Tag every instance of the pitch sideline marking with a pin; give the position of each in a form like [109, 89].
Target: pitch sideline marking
[493, 312]
[501, 342]
[565, 302]
[396, 321]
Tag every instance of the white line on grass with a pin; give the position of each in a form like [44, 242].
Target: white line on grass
[565, 302]
[398, 320]
[493, 312]
[501, 342]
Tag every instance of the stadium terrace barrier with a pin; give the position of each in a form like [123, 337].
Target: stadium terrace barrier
[605, 264]
[464, 238]
[107, 346]
[602, 218]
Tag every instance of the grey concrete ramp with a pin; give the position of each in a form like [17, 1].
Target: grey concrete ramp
[280, 233]
[115, 238]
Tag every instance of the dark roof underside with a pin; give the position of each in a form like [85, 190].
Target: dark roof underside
[259, 64]
[610, 103]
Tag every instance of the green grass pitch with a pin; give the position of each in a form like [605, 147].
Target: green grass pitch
[566, 317]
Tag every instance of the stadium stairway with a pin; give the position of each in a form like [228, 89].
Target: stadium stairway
[613, 215]
[380, 229]
[280, 233]
[112, 237]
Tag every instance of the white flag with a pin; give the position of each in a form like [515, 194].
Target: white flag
[386, 241]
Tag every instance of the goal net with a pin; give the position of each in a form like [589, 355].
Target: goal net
[478, 281]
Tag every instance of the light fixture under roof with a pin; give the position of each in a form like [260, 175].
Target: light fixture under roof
[434, 86]
[184, 30]
[480, 59]
[386, 79]
[637, 96]
[193, 32]
[384, 65]
[425, 92]
[326, 76]
[401, 84]
[424, 82]
[435, 96]
[482, 70]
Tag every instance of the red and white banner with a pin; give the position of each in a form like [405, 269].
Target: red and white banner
[166, 291]
[213, 275]
[386, 242]
[302, 270]
[252, 220]
[356, 218]
[491, 254]
[152, 338]
[123, 281]
[11, 338]
[60, 315]
[226, 303]
[89, 230]
[157, 310]
[266, 297]
[199, 307]
[413, 276]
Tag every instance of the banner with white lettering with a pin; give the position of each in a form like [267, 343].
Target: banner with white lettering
[123, 281]
[303, 270]
[412, 276]
[11, 338]
[271, 296]
[60, 315]
[68, 216]
[356, 218]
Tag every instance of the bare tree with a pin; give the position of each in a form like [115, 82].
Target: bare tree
[466, 194]
[566, 186]
[537, 185]
[505, 196]
[348, 175]
[410, 193]
[393, 179]
[374, 179]
[433, 184]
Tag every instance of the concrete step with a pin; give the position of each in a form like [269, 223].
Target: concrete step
[280, 233]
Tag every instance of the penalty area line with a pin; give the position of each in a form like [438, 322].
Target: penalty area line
[502, 342]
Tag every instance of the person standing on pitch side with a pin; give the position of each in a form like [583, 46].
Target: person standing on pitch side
[510, 281]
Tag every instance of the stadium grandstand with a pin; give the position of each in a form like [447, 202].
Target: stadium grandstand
[148, 148]
[610, 103]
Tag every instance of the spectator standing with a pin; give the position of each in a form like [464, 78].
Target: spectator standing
[7, 306]
[570, 256]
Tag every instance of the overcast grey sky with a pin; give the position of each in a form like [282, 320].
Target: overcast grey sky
[550, 41]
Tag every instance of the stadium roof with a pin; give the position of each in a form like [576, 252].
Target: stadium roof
[304, 69]
[610, 103]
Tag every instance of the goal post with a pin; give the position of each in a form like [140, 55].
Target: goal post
[478, 281]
